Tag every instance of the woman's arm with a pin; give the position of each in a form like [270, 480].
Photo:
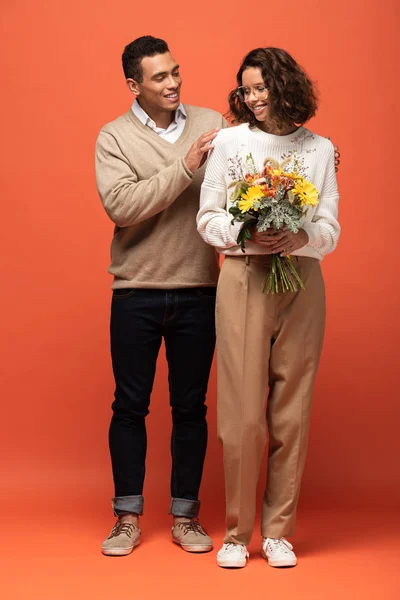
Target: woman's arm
[324, 230]
[213, 221]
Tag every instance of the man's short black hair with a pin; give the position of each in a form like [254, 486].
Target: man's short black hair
[147, 45]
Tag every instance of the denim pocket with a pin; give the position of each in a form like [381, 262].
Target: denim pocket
[207, 293]
[120, 294]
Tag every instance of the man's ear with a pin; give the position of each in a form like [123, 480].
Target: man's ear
[133, 86]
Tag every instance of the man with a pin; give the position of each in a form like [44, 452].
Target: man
[148, 169]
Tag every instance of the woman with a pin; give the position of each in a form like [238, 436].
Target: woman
[267, 343]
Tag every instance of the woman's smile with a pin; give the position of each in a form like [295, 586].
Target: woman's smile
[258, 108]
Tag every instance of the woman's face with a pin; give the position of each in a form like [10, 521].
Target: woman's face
[255, 93]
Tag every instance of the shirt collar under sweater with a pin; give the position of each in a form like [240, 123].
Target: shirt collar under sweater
[173, 132]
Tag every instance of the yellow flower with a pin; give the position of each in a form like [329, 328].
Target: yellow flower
[280, 172]
[245, 205]
[293, 175]
[253, 193]
[307, 192]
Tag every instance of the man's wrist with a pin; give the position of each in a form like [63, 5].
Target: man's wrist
[187, 167]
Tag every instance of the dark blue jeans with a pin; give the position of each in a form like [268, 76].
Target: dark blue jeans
[140, 318]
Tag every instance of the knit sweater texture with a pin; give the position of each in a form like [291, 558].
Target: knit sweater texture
[308, 153]
[153, 198]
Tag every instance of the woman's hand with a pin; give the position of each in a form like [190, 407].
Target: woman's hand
[281, 241]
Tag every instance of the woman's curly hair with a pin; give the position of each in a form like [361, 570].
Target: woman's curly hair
[292, 98]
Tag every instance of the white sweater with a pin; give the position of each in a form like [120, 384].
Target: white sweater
[312, 155]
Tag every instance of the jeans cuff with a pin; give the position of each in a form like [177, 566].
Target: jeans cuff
[127, 504]
[181, 507]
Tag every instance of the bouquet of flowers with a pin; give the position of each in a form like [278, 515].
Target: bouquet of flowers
[275, 197]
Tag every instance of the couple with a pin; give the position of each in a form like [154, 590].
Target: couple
[150, 176]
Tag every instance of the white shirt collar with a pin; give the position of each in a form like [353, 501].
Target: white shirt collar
[180, 115]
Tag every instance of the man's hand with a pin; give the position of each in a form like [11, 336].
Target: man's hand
[281, 241]
[197, 154]
[337, 156]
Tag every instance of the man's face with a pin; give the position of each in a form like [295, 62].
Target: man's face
[160, 88]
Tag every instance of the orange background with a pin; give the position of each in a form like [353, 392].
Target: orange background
[61, 81]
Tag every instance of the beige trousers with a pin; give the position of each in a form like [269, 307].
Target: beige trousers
[266, 345]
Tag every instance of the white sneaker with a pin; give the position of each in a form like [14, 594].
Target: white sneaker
[232, 555]
[279, 553]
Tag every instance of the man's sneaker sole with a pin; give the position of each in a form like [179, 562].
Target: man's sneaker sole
[193, 547]
[237, 563]
[119, 551]
[286, 562]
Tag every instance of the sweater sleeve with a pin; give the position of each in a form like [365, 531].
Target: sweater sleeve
[213, 220]
[324, 230]
[126, 200]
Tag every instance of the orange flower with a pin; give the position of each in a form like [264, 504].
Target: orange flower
[266, 171]
[267, 191]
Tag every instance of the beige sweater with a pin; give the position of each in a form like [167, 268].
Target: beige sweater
[152, 197]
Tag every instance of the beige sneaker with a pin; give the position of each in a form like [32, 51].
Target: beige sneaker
[191, 536]
[124, 537]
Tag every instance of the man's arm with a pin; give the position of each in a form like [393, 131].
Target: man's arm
[126, 200]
